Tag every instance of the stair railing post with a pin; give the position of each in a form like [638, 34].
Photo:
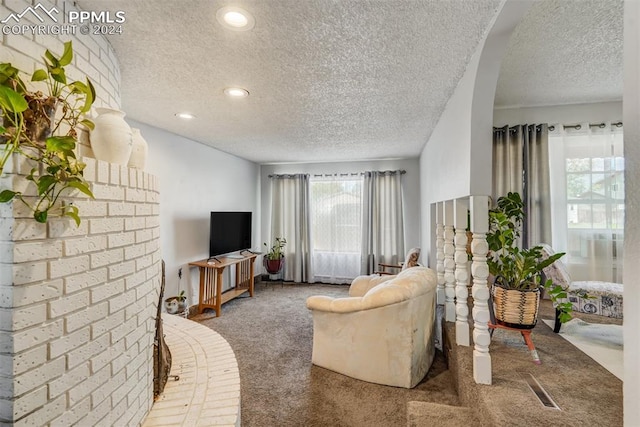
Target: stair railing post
[449, 264]
[440, 252]
[461, 272]
[480, 271]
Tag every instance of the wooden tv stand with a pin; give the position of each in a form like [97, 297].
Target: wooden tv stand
[211, 295]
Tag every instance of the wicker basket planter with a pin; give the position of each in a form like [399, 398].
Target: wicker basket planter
[515, 308]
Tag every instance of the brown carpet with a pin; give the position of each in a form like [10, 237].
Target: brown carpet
[271, 335]
[586, 393]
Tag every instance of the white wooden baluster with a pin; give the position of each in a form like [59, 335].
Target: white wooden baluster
[480, 290]
[449, 264]
[462, 273]
[440, 252]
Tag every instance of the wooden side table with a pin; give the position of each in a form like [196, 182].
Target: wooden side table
[211, 295]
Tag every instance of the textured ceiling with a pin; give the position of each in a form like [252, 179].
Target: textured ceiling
[564, 52]
[337, 80]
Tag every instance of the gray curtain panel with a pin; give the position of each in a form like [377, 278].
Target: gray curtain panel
[290, 219]
[521, 164]
[382, 220]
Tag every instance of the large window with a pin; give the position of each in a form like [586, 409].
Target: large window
[589, 178]
[336, 227]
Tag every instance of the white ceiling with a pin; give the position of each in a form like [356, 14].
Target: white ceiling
[334, 80]
[564, 52]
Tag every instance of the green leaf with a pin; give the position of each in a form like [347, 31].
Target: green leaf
[12, 101]
[44, 183]
[78, 87]
[31, 174]
[39, 75]
[92, 89]
[40, 216]
[90, 96]
[82, 187]
[566, 306]
[2, 129]
[53, 169]
[52, 60]
[88, 123]
[72, 212]
[58, 75]
[564, 317]
[67, 55]
[7, 71]
[7, 196]
[60, 143]
[75, 217]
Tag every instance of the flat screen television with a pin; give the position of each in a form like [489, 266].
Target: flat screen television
[229, 232]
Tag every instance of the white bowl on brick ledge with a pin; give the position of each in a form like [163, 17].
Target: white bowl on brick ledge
[112, 137]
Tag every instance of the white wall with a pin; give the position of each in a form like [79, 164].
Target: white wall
[194, 180]
[631, 273]
[456, 161]
[563, 114]
[411, 188]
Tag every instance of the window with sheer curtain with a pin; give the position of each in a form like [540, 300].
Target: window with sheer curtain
[336, 218]
[587, 176]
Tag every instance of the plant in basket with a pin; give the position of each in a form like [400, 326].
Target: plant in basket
[518, 272]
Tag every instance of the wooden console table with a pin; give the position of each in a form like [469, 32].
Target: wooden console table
[211, 295]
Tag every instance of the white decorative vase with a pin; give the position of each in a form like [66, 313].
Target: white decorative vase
[139, 151]
[111, 139]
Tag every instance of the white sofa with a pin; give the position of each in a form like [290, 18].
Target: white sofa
[383, 332]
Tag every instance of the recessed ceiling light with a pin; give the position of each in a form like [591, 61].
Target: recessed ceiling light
[236, 92]
[186, 116]
[236, 19]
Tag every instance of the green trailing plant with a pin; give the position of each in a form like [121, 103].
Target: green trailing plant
[277, 249]
[43, 127]
[516, 268]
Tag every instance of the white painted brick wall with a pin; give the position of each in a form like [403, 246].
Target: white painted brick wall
[77, 303]
[77, 309]
[93, 55]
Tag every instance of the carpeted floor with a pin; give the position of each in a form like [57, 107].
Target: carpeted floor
[271, 335]
[601, 342]
[586, 393]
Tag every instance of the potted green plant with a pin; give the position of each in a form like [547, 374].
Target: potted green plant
[43, 126]
[176, 304]
[517, 272]
[274, 258]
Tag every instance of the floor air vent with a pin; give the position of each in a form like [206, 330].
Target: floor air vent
[539, 391]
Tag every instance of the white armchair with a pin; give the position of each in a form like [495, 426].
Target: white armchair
[383, 332]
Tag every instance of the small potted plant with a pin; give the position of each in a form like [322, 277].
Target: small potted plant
[43, 126]
[517, 272]
[274, 259]
[176, 304]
